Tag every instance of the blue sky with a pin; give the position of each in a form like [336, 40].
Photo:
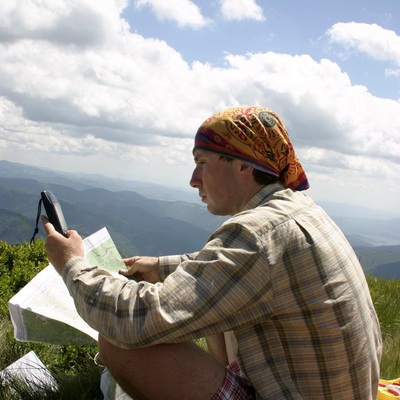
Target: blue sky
[283, 26]
[119, 87]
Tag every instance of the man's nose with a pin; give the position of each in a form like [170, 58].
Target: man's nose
[195, 181]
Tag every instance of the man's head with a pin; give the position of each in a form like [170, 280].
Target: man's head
[258, 137]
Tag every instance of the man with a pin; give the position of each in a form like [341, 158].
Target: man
[277, 290]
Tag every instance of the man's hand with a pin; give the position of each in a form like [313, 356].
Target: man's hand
[143, 268]
[60, 249]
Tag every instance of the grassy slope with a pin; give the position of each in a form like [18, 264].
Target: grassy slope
[386, 296]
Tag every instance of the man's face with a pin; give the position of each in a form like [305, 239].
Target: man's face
[217, 180]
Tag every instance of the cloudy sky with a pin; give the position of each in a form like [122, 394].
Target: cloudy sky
[119, 87]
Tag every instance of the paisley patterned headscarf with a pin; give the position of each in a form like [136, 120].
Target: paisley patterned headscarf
[257, 136]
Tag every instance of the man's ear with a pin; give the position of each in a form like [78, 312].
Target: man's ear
[246, 169]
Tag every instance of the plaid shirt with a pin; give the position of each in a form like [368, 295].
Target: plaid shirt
[280, 275]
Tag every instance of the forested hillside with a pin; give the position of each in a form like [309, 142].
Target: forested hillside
[137, 225]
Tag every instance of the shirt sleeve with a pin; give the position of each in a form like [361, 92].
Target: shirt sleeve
[168, 264]
[211, 291]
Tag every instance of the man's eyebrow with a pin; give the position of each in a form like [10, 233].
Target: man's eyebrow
[197, 156]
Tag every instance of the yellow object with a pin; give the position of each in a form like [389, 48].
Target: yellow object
[389, 389]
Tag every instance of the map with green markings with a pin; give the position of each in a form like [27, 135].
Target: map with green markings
[43, 311]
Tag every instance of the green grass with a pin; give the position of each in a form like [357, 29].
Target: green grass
[386, 297]
[72, 367]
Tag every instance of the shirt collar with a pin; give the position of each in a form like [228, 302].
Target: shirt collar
[262, 195]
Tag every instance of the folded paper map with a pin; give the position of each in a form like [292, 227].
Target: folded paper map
[30, 370]
[43, 310]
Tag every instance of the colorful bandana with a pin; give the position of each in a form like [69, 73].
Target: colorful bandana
[257, 136]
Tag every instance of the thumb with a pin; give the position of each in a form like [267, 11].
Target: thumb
[47, 225]
[127, 272]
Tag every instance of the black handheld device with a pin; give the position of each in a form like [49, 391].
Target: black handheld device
[54, 212]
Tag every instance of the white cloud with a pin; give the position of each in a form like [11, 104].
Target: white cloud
[392, 72]
[319, 103]
[241, 10]
[145, 92]
[107, 91]
[372, 39]
[77, 22]
[184, 12]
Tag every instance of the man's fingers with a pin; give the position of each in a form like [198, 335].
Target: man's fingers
[70, 232]
[47, 225]
[125, 272]
[130, 261]
[131, 274]
[131, 269]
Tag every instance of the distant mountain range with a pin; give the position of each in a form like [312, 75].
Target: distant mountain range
[149, 219]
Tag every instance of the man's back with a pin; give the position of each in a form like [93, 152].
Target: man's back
[314, 332]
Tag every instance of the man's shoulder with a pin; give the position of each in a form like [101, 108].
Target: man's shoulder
[275, 209]
[290, 199]
[285, 201]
